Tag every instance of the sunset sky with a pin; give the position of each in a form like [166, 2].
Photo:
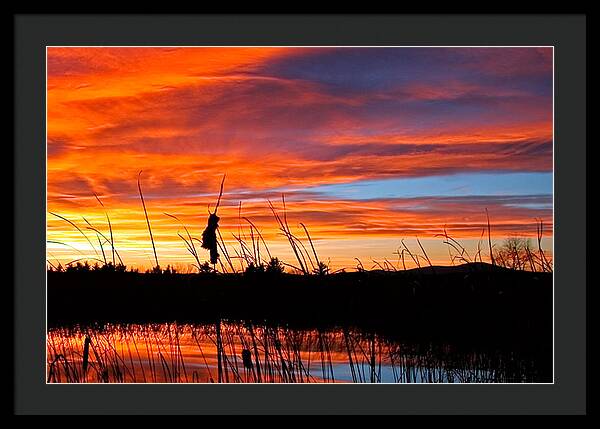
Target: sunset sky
[369, 145]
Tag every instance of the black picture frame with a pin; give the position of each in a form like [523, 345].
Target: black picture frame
[567, 33]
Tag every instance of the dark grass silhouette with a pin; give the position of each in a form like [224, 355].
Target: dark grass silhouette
[482, 306]
[387, 295]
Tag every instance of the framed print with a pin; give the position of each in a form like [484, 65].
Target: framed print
[290, 223]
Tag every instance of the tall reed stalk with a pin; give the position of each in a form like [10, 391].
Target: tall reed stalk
[147, 220]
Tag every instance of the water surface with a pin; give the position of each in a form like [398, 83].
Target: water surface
[233, 352]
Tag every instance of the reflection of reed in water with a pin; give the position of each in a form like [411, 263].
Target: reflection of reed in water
[246, 353]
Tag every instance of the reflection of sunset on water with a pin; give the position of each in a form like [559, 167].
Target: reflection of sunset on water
[242, 353]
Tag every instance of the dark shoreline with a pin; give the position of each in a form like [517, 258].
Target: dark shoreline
[472, 303]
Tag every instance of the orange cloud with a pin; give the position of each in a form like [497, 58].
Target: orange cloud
[186, 116]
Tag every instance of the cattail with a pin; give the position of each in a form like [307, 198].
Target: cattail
[86, 354]
[247, 359]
